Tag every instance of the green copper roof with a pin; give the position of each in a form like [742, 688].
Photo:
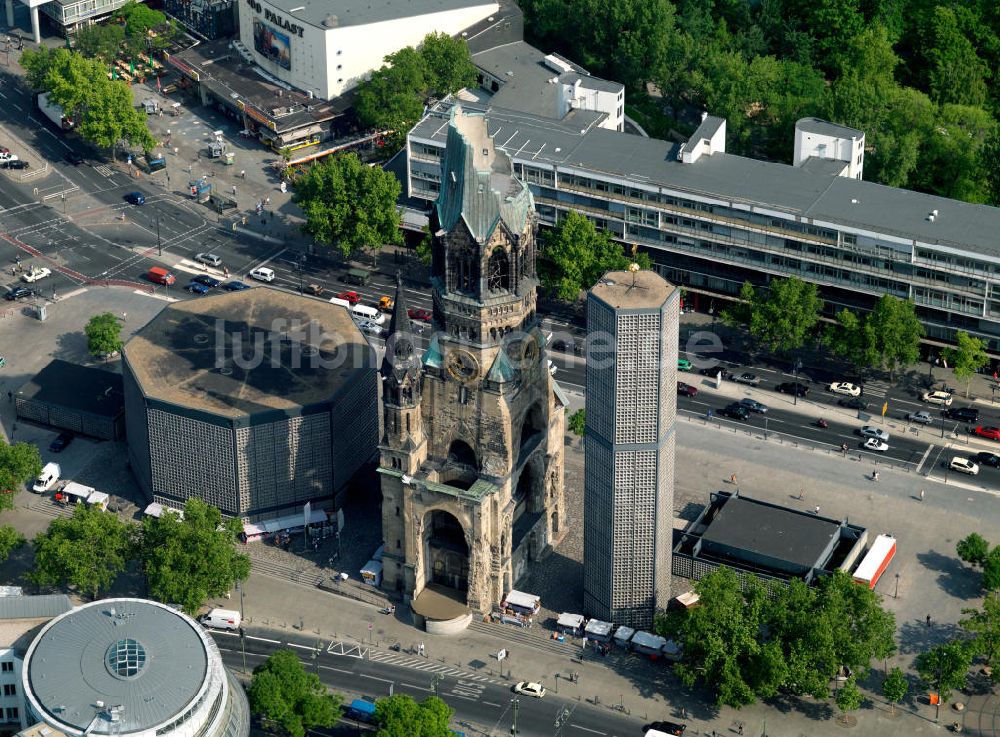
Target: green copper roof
[501, 372]
[477, 181]
[479, 489]
[432, 356]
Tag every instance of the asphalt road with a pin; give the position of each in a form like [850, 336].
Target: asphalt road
[475, 699]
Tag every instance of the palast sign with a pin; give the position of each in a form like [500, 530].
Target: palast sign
[272, 17]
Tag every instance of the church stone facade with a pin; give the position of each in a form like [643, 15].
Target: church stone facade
[472, 450]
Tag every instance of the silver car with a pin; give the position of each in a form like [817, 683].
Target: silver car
[870, 431]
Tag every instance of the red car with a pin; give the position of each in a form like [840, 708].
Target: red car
[424, 315]
[686, 390]
[351, 297]
[993, 433]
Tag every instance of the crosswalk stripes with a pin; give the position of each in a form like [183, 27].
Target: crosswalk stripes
[104, 169]
[876, 388]
[427, 666]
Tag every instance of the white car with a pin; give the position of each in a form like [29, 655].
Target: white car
[209, 259]
[870, 431]
[530, 689]
[367, 326]
[874, 444]
[7, 156]
[963, 465]
[842, 387]
[262, 273]
[553, 368]
[937, 397]
[36, 273]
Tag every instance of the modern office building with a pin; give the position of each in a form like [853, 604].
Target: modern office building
[131, 668]
[255, 402]
[711, 220]
[630, 443]
[66, 15]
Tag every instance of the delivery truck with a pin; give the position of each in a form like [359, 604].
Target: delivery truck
[222, 619]
[53, 112]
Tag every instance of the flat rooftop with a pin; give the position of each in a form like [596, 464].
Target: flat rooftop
[800, 193]
[628, 290]
[767, 530]
[81, 388]
[826, 128]
[333, 14]
[245, 352]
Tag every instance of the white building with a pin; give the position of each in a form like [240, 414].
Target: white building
[67, 14]
[818, 141]
[326, 47]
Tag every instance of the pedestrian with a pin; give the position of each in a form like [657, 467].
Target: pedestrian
[124, 317]
[732, 479]
[10, 396]
[243, 174]
[816, 511]
[875, 476]
[267, 201]
[928, 620]
[801, 495]
[421, 648]
[921, 495]
[234, 190]
[225, 270]
[13, 270]
[739, 728]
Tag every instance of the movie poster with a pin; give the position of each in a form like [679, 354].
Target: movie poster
[272, 44]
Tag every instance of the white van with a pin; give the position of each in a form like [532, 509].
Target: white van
[342, 302]
[364, 312]
[47, 478]
[222, 619]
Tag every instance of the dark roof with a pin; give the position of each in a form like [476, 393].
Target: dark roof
[826, 128]
[34, 607]
[80, 388]
[760, 529]
[246, 352]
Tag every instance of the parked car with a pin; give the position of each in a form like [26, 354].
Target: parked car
[315, 290]
[35, 274]
[19, 292]
[921, 418]
[420, 314]
[75, 158]
[235, 286]
[209, 259]
[683, 364]
[672, 728]
[58, 445]
[870, 431]
[711, 370]
[964, 465]
[209, 281]
[876, 445]
[6, 155]
[367, 326]
[385, 303]
[746, 378]
[686, 390]
[736, 411]
[937, 397]
[197, 288]
[351, 297]
[853, 403]
[990, 433]
[987, 459]
[843, 387]
[262, 273]
[792, 387]
[530, 689]
[14, 163]
[962, 414]
[753, 405]
[135, 198]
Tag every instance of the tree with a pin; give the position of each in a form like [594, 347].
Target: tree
[786, 316]
[848, 698]
[103, 334]
[991, 570]
[945, 667]
[401, 716]
[894, 688]
[87, 551]
[188, 560]
[100, 41]
[425, 248]
[348, 204]
[973, 549]
[955, 74]
[10, 540]
[989, 156]
[109, 117]
[576, 255]
[967, 357]
[578, 422]
[950, 159]
[18, 464]
[393, 97]
[888, 337]
[448, 65]
[985, 625]
[288, 696]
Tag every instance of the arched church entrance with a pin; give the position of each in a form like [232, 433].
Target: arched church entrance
[446, 551]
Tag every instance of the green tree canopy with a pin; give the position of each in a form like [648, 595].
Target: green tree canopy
[401, 716]
[849, 697]
[991, 570]
[894, 688]
[989, 156]
[577, 422]
[187, 561]
[10, 540]
[86, 551]
[19, 463]
[944, 668]
[448, 65]
[291, 698]
[886, 338]
[784, 316]
[576, 255]
[102, 41]
[104, 334]
[967, 357]
[348, 204]
[973, 549]
[955, 74]
[984, 624]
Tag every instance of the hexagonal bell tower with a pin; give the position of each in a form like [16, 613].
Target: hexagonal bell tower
[473, 484]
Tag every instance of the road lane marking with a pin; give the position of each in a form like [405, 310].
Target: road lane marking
[303, 647]
[587, 729]
[374, 678]
[923, 459]
[264, 639]
[339, 670]
[490, 703]
[410, 685]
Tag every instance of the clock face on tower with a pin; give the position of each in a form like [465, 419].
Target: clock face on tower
[462, 365]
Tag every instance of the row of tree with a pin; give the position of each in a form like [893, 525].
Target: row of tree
[102, 108]
[184, 561]
[975, 550]
[912, 74]
[290, 699]
[132, 31]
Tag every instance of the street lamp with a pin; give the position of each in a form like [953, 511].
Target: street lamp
[436, 683]
[795, 381]
[514, 705]
[895, 591]
[159, 243]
